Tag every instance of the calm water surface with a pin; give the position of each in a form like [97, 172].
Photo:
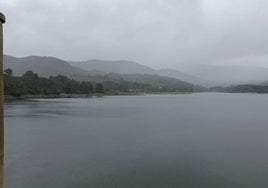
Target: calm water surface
[203, 140]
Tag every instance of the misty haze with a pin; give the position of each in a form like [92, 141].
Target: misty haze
[135, 94]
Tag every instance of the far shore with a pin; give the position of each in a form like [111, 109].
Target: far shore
[63, 95]
[55, 96]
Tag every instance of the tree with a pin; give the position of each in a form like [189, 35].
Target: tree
[13, 86]
[99, 88]
[30, 75]
[85, 88]
[8, 72]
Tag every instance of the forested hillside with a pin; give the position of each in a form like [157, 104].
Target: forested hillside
[31, 84]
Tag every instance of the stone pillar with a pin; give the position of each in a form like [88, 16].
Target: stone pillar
[2, 20]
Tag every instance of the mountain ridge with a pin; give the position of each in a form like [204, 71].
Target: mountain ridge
[131, 67]
[43, 65]
[50, 66]
[207, 76]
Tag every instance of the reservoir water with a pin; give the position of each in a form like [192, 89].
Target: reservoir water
[203, 140]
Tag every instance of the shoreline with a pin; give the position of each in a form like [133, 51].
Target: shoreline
[63, 95]
[54, 96]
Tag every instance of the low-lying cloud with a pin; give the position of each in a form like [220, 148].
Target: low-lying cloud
[158, 33]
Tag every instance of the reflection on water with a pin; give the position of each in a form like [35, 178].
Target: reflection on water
[189, 141]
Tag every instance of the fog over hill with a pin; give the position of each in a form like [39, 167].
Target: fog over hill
[229, 75]
[114, 76]
[44, 66]
[121, 66]
[203, 75]
[130, 67]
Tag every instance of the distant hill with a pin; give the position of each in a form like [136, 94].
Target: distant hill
[107, 72]
[130, 67]
[121, 67]
[230, 75]
[44, 66]
[164, 82]
[184, 77]
[207, 76]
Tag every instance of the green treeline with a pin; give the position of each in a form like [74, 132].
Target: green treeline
[246, 88]
[31, 84]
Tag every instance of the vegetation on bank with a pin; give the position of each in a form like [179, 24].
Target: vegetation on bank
[30, 84]
[245, 88]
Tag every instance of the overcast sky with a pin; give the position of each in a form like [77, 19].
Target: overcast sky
[158, 33]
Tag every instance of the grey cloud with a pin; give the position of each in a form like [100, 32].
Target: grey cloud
[158, 33]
